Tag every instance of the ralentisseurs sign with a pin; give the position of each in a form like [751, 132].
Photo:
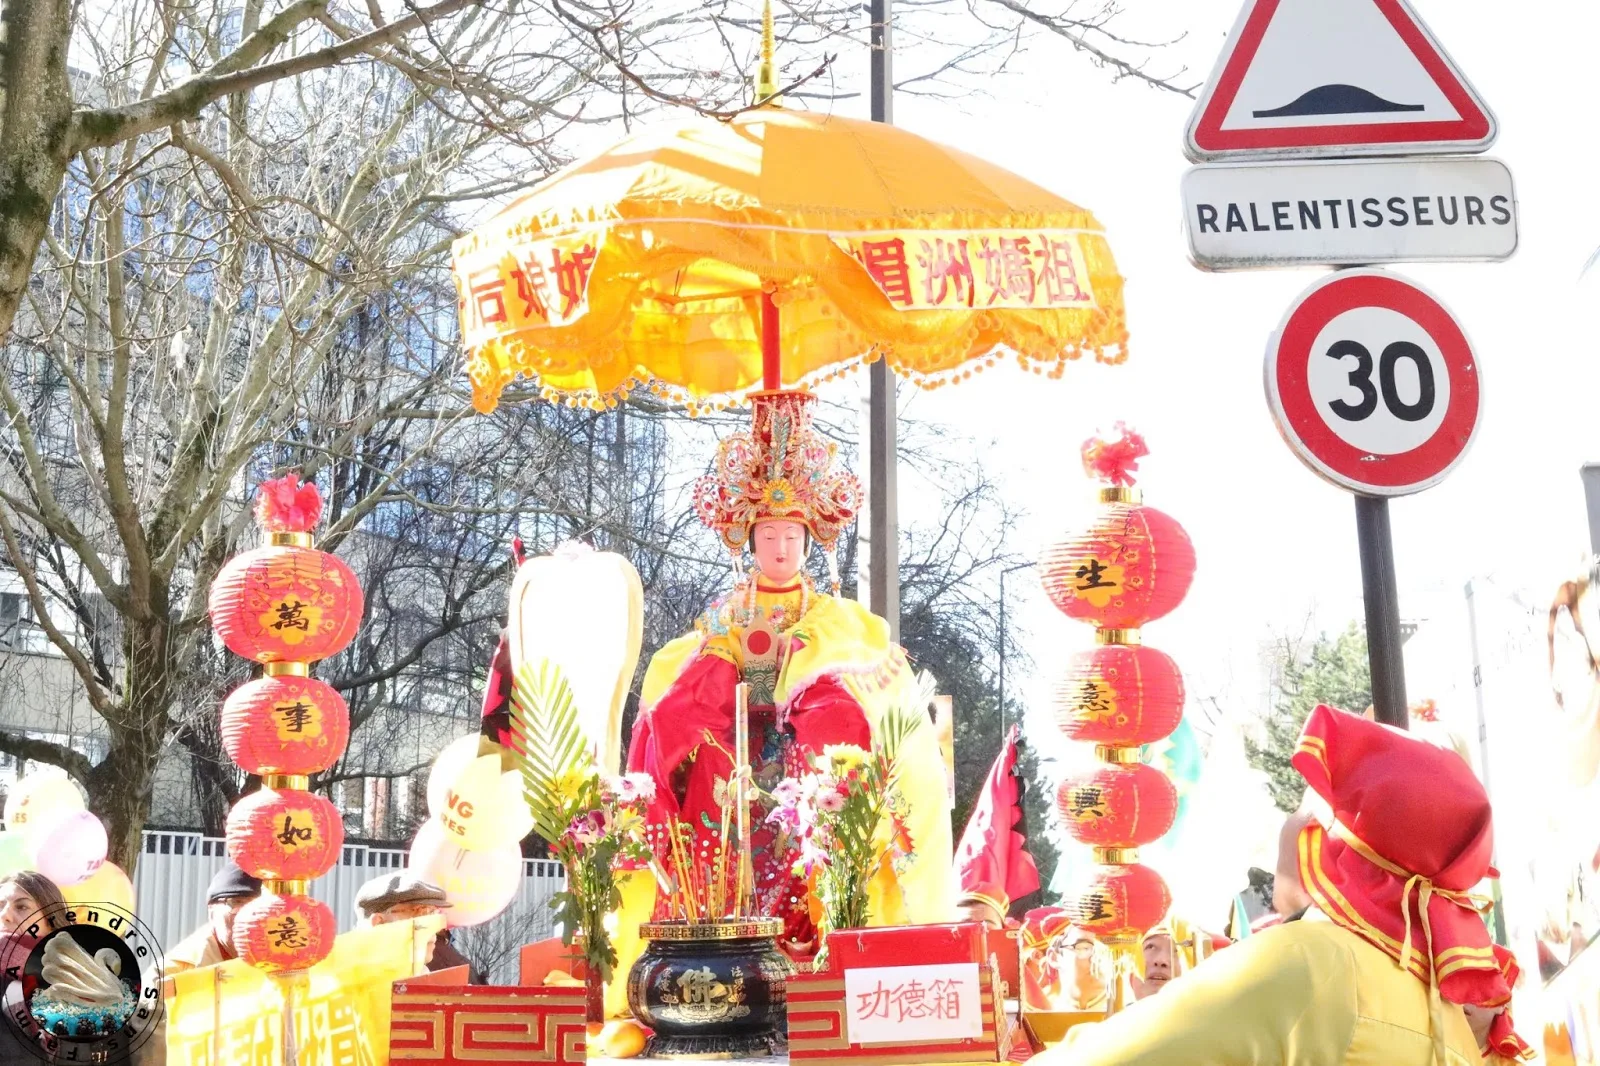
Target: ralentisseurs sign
[1250, 215]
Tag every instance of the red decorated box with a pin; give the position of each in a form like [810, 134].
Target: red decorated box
[908, 945]
[924, 994]
[477, 1023]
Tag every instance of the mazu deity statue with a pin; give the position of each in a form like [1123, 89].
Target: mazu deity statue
[822, 670]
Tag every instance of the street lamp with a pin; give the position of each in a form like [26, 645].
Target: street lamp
[1001, 680]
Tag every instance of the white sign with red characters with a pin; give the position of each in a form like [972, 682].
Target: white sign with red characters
[927, 1004]
[1373, 383]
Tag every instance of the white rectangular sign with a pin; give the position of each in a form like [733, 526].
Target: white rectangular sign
[913, 1004]
[1349, 213]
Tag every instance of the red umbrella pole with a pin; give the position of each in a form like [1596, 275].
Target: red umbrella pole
[771, 370]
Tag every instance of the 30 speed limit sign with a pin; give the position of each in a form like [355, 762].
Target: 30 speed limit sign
[1373, 383]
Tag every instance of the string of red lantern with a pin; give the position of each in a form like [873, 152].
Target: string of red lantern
[1129, 566]
[285, 605]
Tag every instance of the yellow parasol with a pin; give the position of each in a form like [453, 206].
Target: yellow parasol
[667, 260]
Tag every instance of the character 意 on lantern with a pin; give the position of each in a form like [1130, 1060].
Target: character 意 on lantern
[821, 669]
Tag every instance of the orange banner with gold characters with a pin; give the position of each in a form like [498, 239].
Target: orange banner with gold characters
[952, 270]
[233, 1015]
[528, 283]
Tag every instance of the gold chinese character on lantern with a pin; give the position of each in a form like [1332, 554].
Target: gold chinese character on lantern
[1096, 700]
[1086, 802]
[1096, 581]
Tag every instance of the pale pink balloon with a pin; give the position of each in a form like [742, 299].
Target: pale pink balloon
[68, 846]
[479, 884]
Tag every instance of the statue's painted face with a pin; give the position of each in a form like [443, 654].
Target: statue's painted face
[780, 547]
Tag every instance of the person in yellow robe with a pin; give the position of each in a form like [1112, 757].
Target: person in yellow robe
[1375, 970]
[822, 671]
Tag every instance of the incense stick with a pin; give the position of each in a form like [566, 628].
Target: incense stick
[741, 739]
[722, 863]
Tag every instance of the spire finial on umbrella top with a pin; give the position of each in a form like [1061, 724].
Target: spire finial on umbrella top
[767, 72]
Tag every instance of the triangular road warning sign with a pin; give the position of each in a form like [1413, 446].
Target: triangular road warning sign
[1335, 78]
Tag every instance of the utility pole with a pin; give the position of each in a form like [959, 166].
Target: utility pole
[1000, 681]
[878, 534]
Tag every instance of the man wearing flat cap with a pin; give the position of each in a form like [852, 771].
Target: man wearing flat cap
[212, 943]
[401, 895]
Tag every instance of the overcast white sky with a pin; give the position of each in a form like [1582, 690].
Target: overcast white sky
[1274, 541]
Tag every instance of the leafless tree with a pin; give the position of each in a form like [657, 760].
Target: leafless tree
[222, 254]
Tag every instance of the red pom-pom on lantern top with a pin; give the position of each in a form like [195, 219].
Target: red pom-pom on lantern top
[1118, 805]
[1119, 902]
[285, 725]
[1114, 460]
[281, 934]
[286, 602]
[286, 505]
[287, 836]
[1133, 564]
[1118, 695]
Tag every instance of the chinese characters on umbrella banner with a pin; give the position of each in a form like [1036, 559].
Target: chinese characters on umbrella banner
[953, 270]
[894, 1004]
[540, 283]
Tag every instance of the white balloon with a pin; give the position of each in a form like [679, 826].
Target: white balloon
[458, 757]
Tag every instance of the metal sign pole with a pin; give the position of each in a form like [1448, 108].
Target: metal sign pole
[1382, 599]
[879, 576]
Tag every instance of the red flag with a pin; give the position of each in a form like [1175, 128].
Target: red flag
[992, 861]
[497, 695]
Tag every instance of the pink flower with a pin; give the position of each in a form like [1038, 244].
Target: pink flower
[631, 789]
[644, 785]
[813, 857]
[831, 801]
[787, 793]
[785, 818]
[587, 829]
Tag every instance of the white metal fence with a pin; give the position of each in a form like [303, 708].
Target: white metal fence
[174, 869]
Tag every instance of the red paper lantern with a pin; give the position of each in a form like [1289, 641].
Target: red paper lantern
[1120, 696]
[283, 933]
[286, 603]
[285, 725]
[1118, 805]
[288, 835]
[1132, 565]
[1119, 902]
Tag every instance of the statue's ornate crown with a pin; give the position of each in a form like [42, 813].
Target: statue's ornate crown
[781, 469]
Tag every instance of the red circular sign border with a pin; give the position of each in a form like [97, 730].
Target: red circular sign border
[1315, 442]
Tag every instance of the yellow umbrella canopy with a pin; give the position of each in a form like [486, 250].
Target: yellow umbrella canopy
[781, 247]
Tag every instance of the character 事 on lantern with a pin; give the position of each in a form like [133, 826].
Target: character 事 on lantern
[822, 670]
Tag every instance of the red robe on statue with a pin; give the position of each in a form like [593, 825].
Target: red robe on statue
[691, 775]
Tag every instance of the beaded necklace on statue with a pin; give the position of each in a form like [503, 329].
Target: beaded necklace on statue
[779, 616]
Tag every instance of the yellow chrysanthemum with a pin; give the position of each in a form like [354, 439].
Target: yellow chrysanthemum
[845, 757]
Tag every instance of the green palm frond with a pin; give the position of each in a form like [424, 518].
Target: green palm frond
[551, 748]
[901, 721]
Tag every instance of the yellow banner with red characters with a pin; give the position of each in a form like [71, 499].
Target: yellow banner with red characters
[953, 270]
[233, 1015]
[505, 288]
